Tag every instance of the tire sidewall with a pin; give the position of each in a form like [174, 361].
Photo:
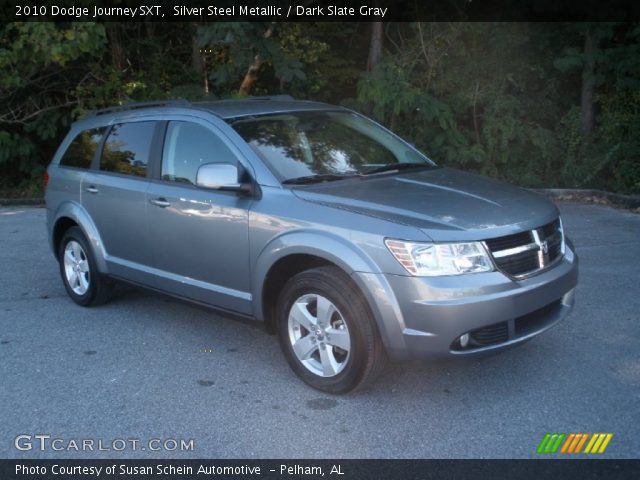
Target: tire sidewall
[312, 283]
[76, 234]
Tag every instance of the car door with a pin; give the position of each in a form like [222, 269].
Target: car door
[114, 195]
[199, 237]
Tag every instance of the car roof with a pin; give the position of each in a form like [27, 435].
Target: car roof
[225, 109]
[260, 106]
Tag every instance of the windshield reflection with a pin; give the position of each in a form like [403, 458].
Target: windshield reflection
[304, 144]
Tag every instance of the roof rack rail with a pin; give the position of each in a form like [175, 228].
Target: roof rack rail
[272, 97]
[136, 105]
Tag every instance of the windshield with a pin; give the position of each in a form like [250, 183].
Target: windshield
[326, 145]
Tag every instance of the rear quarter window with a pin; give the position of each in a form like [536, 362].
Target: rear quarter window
[83, 148]
[127, 148]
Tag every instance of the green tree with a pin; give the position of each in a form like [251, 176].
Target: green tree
[43, 68]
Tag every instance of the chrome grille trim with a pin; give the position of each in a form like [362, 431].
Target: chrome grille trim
[530, 258]
[515, 250]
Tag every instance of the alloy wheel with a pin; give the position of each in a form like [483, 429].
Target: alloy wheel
[76, 268]
[319, 335]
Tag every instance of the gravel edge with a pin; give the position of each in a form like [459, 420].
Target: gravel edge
[599, 197]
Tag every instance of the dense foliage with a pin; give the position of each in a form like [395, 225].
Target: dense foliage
[532, 103]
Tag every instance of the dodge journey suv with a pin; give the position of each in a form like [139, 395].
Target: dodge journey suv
[342, 238]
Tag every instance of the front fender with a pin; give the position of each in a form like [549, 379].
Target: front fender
[318, 243]
[79, 215]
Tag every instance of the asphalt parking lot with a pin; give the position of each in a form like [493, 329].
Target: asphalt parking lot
[145, 366]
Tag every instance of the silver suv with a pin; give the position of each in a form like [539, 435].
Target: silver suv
[343, 239]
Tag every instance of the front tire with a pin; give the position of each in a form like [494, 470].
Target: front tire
[327, 331]
[82, 280]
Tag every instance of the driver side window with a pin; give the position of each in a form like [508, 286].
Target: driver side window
[187, 146]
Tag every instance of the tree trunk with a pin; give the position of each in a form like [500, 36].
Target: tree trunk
[251, 77]
[196, 54]
[586, 104]
[375, 46]
[114, 37]
[149, 27]
[198, 61]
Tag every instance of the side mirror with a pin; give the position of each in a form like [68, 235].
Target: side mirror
[220, 176]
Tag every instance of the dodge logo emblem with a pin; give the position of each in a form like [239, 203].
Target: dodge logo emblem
[544, 247]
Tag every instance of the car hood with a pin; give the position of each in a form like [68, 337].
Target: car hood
[440, 201]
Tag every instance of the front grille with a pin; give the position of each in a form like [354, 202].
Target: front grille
[510, 241]
[497, 333]
[520, 263]
[537, 319]
[551, 228]
[527, 252]
[509, 330]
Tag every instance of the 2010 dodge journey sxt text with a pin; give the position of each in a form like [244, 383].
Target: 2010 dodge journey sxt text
[345, 240]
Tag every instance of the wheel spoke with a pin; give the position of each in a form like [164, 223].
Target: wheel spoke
[84, 266]
[339, 338]
[73, 279]
[304, 347]
[325, 310]
[302, 316]
[329, 364]
[83, 282]
[77, 251]
[68, 257]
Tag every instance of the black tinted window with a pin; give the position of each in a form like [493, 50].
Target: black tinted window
[187, 146]
[83, 148]
[127, 147]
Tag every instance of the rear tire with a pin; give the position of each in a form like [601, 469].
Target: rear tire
[84, 283]
[327, 332]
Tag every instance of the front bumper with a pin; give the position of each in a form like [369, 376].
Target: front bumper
[425, 317]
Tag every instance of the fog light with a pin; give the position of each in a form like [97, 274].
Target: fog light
[464, 340]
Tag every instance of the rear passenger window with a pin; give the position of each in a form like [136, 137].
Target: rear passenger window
[187, 146]
[127, 148]
[83, 148]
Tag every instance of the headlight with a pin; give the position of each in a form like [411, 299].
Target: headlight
[435, 259]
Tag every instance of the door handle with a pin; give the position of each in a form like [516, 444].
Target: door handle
[160, 202]
[91, 189]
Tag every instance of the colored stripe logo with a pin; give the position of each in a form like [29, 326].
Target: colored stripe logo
[574, 443]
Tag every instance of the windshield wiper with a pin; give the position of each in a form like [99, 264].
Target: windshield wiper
[317, 178]
[397, 166]
[329, 177]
